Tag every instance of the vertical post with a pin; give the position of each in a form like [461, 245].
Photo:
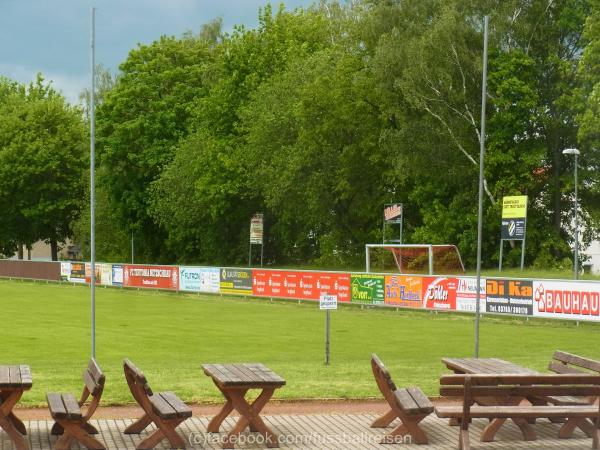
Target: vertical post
[480, 205]
[431, 260]
[132, 247]
[576, 262]
[501, 251]
[401, 221]
[367, 262]
[262, 252]
[327, 325]
[523, 252]
[92, 181]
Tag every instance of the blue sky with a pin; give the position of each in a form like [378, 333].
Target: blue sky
[53, 36]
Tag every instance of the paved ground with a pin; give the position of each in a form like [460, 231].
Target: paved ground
[318, 431]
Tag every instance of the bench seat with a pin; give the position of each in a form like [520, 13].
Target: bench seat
[525, 412]
[413, 401]
[167, 405]
[63, 406]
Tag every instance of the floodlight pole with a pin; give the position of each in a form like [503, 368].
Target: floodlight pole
[575, 152]
[92, 183]
[486, 20]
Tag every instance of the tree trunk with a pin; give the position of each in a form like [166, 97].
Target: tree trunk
[54, 250]
[20, 251]
[28, 253]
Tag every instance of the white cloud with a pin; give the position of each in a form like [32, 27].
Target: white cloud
[70, 85]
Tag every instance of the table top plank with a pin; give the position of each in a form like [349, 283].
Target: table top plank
[246, 375]
[485, 365]
[15, 377]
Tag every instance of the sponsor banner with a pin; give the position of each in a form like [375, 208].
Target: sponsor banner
[514, 207]
[513, 229]
[199, 279]
[256, 229]
[367, 288]
[392, 212]
[235, 281]
[402, 290]
[106, 274]
[509, 297]
[77, 274]
[65, 270]
[158, 277]
[466, 294]
[117, 275]
[567, 300]
[439, 293]
[300, 285]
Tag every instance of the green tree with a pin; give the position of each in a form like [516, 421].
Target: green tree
[42, 161]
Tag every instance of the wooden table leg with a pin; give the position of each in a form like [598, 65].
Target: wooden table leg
[215, 423]
[9, 422]
[249, 415]
[490, 430]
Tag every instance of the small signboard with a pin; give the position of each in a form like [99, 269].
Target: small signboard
[514, 217]
[392, 212]
[328, 301]
[256, 229]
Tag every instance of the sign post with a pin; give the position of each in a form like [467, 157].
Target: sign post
[514, 224]
[392, 215]
[327, 302]
[256, 236]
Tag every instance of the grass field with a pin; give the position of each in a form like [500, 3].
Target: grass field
[170, 335]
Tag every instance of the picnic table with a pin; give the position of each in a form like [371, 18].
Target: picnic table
[14, 380]
[499, 367]
[234, 381]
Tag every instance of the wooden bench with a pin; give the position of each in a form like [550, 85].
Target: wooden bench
[511, 393]
[164, 409]
[410, 405]
[566, 363]
[73, 422]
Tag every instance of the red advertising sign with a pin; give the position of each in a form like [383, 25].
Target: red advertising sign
[159, 277]
[439, 293]
[300, 285]
[566, 300]
[402, 290]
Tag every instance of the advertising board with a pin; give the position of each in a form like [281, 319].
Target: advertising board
[77, 274]
[117, 275]
[367, 288]
[439, 293]
[509, 297]
[402, 290]
[466, 294]
[199, 279]
[157, 277]
[566, 300]
[300, 285]
[235, 281]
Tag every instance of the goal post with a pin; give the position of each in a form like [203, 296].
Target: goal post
[414, 258]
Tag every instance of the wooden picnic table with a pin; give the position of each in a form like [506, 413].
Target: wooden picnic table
[500, 367]
[14, 380]
[234, 381]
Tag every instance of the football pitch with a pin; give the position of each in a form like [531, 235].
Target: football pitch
[169, 336]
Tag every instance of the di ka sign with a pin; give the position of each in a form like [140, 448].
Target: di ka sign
[328, 301]
[514, 217]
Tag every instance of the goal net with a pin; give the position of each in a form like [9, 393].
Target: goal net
[413, 259]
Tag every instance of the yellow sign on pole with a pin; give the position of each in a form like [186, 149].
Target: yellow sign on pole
[514, 207]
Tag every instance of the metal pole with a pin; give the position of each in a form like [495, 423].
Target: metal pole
[576, 262]
[486, 20]
[262, 252]
[92, 183]
[327, 325]
[501, 251]
[431, 260]
[523, 252]
[367, 262]
[250, 256]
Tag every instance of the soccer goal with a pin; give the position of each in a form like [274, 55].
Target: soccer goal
[413, 258]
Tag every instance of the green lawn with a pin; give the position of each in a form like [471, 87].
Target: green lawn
[170, 335]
